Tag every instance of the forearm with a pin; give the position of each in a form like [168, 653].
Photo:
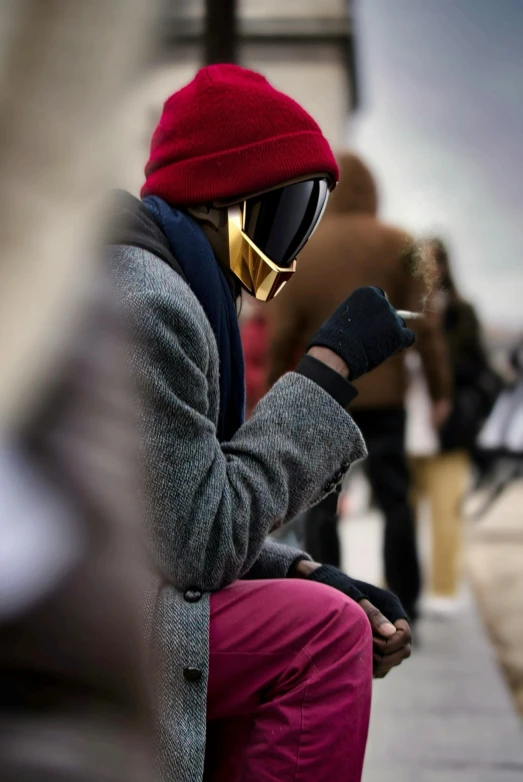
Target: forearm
[214, 508]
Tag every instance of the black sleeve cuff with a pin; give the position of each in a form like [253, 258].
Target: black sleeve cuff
[327, 378]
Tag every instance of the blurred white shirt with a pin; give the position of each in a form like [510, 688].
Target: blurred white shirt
[421, 436]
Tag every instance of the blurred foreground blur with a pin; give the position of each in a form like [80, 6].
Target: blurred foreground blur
[73, 701]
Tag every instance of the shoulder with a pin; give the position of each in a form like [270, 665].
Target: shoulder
[364, 232]
[466, 317]
[466, 308]
[401, 242]
[460, 310]
[136, 270]
[158, 300]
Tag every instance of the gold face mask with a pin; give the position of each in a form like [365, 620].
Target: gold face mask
[266, 233]
[257, 273]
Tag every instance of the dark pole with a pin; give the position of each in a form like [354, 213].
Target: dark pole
[220, 31]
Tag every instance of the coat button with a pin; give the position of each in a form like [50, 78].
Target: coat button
[192, 674]
[192, 595]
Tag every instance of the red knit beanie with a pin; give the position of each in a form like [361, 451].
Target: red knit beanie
[228, 134]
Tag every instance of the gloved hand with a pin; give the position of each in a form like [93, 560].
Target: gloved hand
[387, 617]
[386, 602]
[364, 331]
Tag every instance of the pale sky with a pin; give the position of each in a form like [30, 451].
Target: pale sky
[441, 125]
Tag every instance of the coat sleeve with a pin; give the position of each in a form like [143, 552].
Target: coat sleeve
[275, 561]
[211, 505]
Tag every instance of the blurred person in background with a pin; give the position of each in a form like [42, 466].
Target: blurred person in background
[441, 460]
[265, 657]
[352, 248]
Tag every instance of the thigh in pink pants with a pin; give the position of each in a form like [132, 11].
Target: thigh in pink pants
[289, 684]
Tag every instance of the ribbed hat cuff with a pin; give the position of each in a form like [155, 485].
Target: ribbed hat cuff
[238, 172]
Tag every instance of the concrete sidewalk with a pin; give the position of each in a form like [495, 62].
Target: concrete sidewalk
[495, 566]
[445, 715]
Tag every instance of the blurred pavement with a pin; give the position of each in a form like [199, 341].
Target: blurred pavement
[445, 715]
[495, 566]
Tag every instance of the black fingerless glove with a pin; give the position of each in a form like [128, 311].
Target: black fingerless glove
[364, 331]
[382, 599]
[331, 576]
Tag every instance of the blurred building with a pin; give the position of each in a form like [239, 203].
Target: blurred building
[304, 47]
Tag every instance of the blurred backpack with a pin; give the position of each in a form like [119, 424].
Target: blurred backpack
[500, 444]
[502, 433]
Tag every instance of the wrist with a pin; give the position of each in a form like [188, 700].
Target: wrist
[330, 358]
[304, 568]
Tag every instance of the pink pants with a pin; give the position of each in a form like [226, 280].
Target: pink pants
[289, 684]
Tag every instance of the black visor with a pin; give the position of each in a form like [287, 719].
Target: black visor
[280, 222]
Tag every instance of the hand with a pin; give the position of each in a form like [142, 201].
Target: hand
[391, 636]
[391, 642]
[440, 412]
[364, 331]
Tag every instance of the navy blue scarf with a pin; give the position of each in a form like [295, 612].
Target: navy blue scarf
[207, 281]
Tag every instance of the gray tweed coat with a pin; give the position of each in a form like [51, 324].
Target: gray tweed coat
[211, 506]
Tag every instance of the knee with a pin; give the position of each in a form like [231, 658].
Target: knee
[337, 617]
[350, 620]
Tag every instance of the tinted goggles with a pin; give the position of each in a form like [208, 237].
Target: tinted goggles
[281, 221]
